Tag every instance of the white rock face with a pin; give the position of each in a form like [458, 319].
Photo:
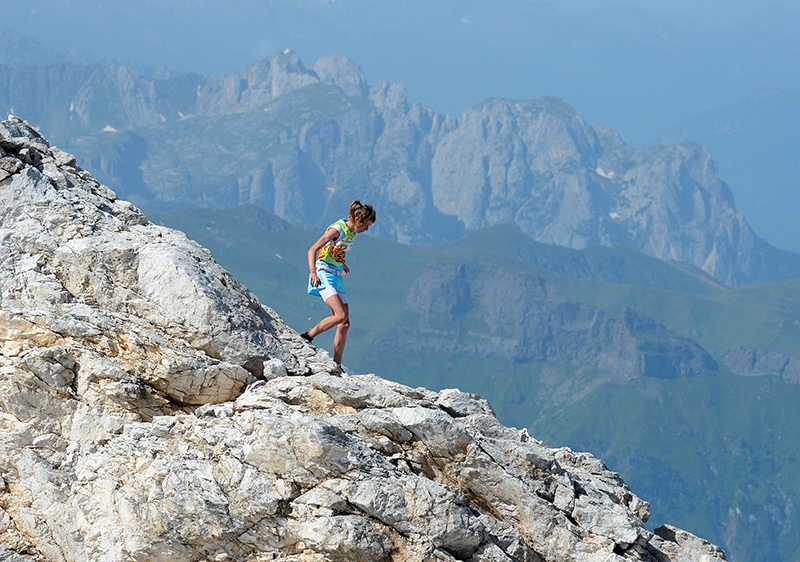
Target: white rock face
[113, 331]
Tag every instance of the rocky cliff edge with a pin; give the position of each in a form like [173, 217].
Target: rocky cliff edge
[152, 409]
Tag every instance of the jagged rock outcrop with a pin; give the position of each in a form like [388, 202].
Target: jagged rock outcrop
[114, 331]
[78, 263]
[758, 362]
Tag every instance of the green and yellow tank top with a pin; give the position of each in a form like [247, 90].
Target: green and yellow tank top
[334, 253]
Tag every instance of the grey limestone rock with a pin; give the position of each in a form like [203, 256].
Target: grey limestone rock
[82, 264]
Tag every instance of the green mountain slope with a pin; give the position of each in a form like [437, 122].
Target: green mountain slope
[714, 452]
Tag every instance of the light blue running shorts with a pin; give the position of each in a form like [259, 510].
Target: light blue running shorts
[332, 283]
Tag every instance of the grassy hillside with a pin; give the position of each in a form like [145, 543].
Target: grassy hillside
[715, 454]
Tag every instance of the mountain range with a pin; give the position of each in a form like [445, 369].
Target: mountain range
[303, 143]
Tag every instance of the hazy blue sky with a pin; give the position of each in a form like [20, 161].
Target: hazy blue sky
[720, 12]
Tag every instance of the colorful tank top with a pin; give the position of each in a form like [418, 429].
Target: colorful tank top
[334, 253]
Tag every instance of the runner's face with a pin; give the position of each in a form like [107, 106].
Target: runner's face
[363, 226]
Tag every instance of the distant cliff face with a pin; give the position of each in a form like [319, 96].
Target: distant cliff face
[114, 331]
[485, 311]
[539, 165]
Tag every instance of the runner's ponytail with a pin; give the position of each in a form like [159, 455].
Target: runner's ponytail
[361, 213]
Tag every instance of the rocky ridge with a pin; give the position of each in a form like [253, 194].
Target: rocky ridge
[524, 318]
[148, 412]
[752, 361]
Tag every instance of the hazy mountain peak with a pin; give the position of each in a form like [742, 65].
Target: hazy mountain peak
[754, 140]
[340, 71]
[255, 85]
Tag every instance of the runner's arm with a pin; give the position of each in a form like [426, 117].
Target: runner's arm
[330, 235]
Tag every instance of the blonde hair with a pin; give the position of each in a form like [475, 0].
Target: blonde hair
[360, 213]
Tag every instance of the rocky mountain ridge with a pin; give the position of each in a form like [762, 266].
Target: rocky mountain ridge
[308, 141]
[527, 319]
[115, 330]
